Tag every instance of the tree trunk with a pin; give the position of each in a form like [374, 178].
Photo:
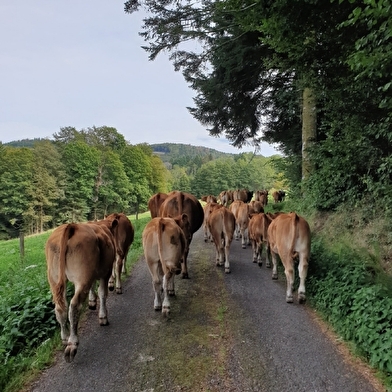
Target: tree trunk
[309, 130]
[21, 245]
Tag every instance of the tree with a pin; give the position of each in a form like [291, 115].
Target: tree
[81, 162]
[47, 186]
[16, 181]
[281, 71]
[138, 169]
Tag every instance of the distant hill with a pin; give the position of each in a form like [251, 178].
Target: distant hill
[23, 142]
[169, 152]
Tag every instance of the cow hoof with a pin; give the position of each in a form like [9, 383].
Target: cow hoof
[111, 288]
[301, 298]
[254, 260]
[171, 293]
[92, 306]
[275, 276]
[70, 352]
[185, 275]
[119, 290]
[289, 300]
[268, 265]
[103, 321]
[166, 311]
[227, 270]
[260, 264]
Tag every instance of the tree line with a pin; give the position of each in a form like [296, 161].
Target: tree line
[85, 174]
[312, 76]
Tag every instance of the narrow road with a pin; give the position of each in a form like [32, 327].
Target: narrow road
[226, 333]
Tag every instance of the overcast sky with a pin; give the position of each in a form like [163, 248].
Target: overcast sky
[80, 63]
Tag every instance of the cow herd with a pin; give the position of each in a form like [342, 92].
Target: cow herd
[87, 253]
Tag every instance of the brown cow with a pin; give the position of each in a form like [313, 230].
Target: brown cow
[208, 208]
[209, 199]
[225, 198]
[82, 254]
[279, 196]
[289, 237]
[221, 224]
[178, 203]
[155, 202]
[258, 235]
[262, 196]
[165, 245]
[234, 207]
[124, 234]
[242, 220]
[242, 194]
[255, 207]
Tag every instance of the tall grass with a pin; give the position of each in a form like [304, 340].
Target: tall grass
[28, 327]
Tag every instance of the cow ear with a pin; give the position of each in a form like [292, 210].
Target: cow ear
[114, 223]
[184, 218]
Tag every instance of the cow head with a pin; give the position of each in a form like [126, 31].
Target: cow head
[183, 221]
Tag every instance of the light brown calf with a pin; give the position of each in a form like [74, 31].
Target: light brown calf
[221, 224]
[242, 220]
[208, 208]
[165, 245]
[289, 237]
[258, 235]
[234, 207]
[82, 254]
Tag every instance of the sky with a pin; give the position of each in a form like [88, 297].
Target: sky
[79, 63]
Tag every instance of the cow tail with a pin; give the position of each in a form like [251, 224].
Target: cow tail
[62, 282]
[161, 229]
[295, 220]
[180, 201]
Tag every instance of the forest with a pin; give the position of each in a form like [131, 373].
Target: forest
[311, 76]
[85, 174]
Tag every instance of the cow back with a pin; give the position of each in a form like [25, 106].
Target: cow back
[178, 203]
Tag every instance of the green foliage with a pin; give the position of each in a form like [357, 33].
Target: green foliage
[243, 171]
[344, 287]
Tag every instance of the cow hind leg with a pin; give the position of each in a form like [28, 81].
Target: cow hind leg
[289, 272]
[103, 294]
[302, 272]
[259, 251]
[92, 298]
[227, 252]
[267, 255]
[119, 267]
[274, 265]
[184, 267]
[74, 315]
[61, 316]
[166, 302]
